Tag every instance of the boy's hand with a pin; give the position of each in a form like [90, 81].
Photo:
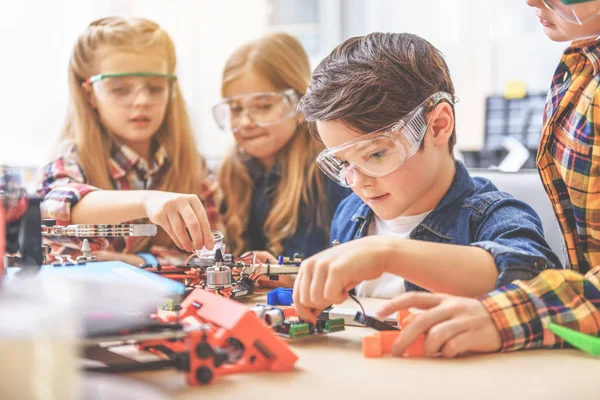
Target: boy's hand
[327, 277]
[179, 214]
[453, 325]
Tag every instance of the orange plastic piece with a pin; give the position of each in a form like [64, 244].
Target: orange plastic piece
[225, 323]
[381, 342]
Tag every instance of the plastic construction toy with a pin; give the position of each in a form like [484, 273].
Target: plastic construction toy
[217, 336]
[224, 275]
[587, 343]
[286, 323]
[280, 297]
[382, 341]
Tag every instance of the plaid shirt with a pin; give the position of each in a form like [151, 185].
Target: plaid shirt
[63, 184]
[569, 164]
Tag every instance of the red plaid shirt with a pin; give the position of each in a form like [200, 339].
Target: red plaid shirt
[63, 184]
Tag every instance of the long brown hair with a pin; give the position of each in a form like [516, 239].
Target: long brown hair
[280, 59]
[84, 130]
[368, 82]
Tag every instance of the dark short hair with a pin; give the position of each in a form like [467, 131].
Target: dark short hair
[369, 82]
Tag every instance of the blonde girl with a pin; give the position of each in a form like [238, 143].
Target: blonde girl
[275, 198]
[127, 151]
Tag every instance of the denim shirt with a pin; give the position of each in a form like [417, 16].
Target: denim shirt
[472, 213]
[308, 238]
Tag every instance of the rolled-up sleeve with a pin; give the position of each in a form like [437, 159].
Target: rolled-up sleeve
[62, 186]
[512, 233]
[523, 311]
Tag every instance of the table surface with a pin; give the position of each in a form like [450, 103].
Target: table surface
[333, 365]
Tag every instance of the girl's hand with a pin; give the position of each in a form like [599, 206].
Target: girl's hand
[453, 325]
[264, 256]
[182, 216]
[327, 277]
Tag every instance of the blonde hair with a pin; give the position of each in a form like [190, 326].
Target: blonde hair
[84, 130]
[280, 59]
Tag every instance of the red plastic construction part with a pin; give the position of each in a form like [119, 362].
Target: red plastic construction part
[225, 337]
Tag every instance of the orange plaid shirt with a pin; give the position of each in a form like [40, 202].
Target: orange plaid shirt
[569, 164]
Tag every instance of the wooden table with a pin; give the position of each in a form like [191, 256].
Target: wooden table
[333, 367]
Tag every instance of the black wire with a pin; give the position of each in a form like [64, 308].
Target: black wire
[358, 302]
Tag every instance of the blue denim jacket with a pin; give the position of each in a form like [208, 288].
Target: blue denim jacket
[473, 213]
[308, 238]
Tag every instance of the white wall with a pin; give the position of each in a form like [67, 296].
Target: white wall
[485, 43]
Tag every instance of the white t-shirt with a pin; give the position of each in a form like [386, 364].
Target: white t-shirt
[389, 285]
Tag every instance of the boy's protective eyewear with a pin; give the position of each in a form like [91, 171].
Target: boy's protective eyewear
[574, 11]
[381, 152]
[122, 89]
[261, 109]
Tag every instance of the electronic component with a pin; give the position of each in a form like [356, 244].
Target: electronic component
[286, 323]
[49, 228]
[224, 275]
[372, 322]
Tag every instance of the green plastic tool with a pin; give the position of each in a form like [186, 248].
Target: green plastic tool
[588, 343]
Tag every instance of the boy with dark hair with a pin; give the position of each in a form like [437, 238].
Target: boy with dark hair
[383, 105]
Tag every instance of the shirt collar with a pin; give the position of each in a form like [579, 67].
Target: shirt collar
[256, 170]
[439, 221]
[123, 159]
[590, 48]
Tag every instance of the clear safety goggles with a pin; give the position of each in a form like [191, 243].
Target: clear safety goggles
[381, 152]
[574, 11]
[262, 109]
[122, 89]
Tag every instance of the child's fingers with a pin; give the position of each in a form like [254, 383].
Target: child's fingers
[193, 226]
[440, 334]
[263, 256]
[178, 228]
[169, 230]
[420, 324]
[305, 313]
[459, 344]
[297, 285]
[303, 287]
[208, 239]
[409, 300]
[336, 292]
[317, 284]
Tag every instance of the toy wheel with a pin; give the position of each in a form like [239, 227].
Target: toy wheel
[203, 350]
[204, 374]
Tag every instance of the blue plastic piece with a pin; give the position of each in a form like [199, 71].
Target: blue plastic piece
[280, 297]
[280, 259]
